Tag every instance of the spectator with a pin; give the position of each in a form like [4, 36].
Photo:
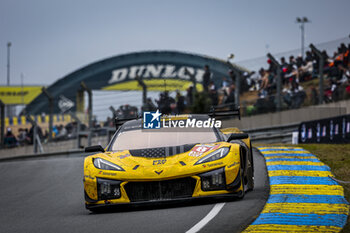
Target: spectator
[127, 111]
[108, 122]
[31, 133]
[254, 77]
[305, 71]
[180, 102]
[206, 78]
[283, 62]
[230, 95]
[298, 95]
[245, 82]
[62, 133]
[284, 67]
[299, 61]
[292, 60]
[189, 96]
[10, 139]
[150, 106]
[347, 84]
[232, 76]
[264, 82]
[224, 90]
[225, 84]
[165, 103]
[213, 93]
[291, 74]
[313, 95]
[22, 137]
[54, 132]
[287, 95]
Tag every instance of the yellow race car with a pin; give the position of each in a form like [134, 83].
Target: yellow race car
[168, 164]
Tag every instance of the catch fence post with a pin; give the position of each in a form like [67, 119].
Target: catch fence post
[278, 82]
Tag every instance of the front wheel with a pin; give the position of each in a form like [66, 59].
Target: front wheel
[250, 178]
[242, 192]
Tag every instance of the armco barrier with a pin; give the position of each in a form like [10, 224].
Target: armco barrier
[303, 197]
[273, 134]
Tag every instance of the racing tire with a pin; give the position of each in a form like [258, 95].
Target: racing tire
[242, 192]
[250, 175]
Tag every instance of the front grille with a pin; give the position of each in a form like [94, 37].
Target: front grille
[161, 152]
[160, 190]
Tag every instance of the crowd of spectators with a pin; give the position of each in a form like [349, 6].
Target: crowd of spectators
[295, 72]
[178, 104]
[218, 95]
[25, 136]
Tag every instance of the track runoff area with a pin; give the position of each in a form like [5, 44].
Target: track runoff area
[303, 196]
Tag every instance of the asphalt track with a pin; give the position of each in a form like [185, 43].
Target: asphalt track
[46, 195]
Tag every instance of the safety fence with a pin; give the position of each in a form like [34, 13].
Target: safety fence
[273, 134]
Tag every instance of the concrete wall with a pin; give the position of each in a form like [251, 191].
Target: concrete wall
[60, 146]
[291, 116]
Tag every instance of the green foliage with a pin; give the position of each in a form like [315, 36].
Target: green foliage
[202, 103]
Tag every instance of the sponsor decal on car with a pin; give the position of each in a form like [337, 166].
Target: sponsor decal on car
[107, 173]
[159, 162]
[213, 164]
[124, 156]
[231, 165]
[90, 177]
[201, 149]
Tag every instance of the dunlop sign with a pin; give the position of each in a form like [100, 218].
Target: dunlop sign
[19, 95]
[155, 71]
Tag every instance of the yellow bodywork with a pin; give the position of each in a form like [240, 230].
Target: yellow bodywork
[158, 169]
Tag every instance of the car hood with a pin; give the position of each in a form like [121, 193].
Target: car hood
[182, 164]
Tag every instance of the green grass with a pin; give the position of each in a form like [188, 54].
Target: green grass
[337, 157]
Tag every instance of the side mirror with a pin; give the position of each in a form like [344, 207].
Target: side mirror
[237, 136]
[97, 148]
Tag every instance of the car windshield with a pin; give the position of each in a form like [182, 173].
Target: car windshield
[143, 139]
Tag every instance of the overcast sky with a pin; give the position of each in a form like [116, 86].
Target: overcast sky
[53, 38]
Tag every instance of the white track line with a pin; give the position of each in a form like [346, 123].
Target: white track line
[216, 209]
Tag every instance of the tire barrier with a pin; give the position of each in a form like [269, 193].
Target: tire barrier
[303, 196]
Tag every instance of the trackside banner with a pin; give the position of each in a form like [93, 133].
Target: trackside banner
[18, 94]
[328, 130]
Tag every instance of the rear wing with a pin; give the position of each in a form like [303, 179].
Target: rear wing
[120, 121]
[225, 111]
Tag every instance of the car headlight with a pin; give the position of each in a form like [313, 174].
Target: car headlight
[215, 155]
[108, 189]
[213, 180]
[106, 165]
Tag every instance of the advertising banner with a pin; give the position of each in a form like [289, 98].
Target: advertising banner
[328, 130]
[18, 95]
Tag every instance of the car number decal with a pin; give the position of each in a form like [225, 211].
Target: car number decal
[201, 149]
